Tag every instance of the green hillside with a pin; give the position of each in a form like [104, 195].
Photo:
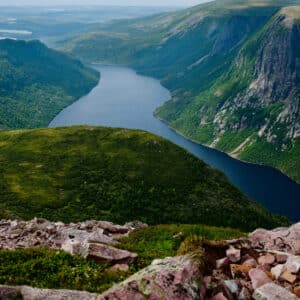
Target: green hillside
[36, 83]
[80, 173]
[200, 55]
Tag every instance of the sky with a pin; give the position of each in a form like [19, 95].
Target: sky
[102, 2]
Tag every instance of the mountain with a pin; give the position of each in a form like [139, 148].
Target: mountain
[81, 173]
[206, 56]
[37, 82]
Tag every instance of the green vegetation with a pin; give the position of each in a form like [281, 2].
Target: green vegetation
[51, 269]
[164, 240]
[44, 268]
[80, 173]
[206, 62]
[36, 83]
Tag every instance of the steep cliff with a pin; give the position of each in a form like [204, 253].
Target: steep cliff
[252, 111]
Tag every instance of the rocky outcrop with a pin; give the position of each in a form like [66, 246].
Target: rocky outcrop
[256, 267]
[281, 239]
[275, 84]
[174, 278]
[29, 293]
[93, 240]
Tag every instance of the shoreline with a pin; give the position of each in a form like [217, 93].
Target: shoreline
[225, 153]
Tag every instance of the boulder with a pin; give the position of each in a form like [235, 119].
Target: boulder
[107, 254]
[272, 291]
[29, 293]
[267, 259]
[222, 263]
[293, 264]
[258, 278]
[173, 278]
[280, 239]
[288, 277]
[277, 271]
[233, 254]
[219, 296]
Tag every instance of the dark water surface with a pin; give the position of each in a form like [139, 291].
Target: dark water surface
[125, 99]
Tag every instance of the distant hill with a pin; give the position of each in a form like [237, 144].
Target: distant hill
[80, 173]
[37, 82]
[219, 60]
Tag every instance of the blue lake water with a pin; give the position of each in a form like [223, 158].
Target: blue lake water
[123, 98]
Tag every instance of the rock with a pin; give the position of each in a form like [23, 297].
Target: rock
[108, 254]
[234, 255]
[120, 268]
[239, 270]
[208, 281]
[281, 258]
[71, 246]
[73, 238]
[219, 296]
[135, 225]
[29, 293]
[10, 293]
[296, 291]
[232, 285]
[222, 263]
[98, 236]
[280, 239]
[173, 278]
[293, 264]
[277, 271]
[109, 227]
[258, 278]
[272, 291]
[287, 276]
[250, 262]
[267, 259]
[244, 294]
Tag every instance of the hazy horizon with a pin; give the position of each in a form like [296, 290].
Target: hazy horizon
[52, 3]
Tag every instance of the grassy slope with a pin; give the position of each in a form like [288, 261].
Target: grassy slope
[56, 269]
[155, 46]
[80, 173]
[36, 83]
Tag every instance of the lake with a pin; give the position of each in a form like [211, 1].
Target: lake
[123, 98]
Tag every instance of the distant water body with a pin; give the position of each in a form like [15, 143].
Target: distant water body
[123, 98]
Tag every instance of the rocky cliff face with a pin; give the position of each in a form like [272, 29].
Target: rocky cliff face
[276, 83]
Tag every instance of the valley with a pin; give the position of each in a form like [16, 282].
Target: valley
[126, 99]
[150, 152]
[218, 69]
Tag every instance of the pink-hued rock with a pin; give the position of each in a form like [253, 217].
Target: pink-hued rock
[272, 291]
[258, 278]
[219, 296]
[281, 258]
[280, 239]
[250, 262]
[108, 254]
[267, 259]
[173, 278]
[234, 255]
[29, 293]
[222, 263]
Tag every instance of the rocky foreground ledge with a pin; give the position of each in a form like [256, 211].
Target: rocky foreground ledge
[264, 266]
